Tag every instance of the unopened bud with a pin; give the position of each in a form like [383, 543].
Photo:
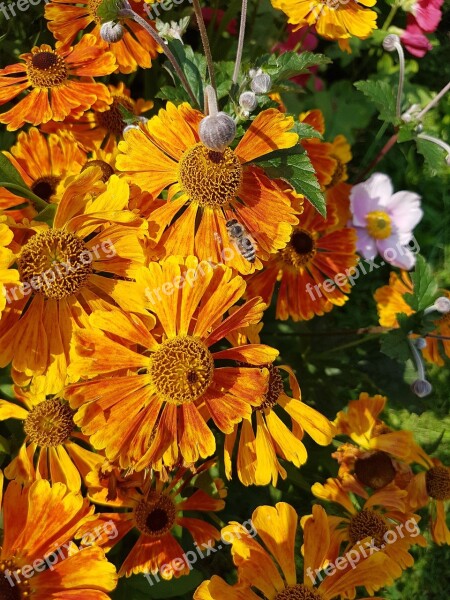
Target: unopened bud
[248, 101]
[420, 343]
[217, 131]
[390, 42]
[422, 388]
[112, 32]
[442, 305]
[261, 84]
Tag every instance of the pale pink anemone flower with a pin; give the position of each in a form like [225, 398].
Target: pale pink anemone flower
[424, 18]
[384, 221]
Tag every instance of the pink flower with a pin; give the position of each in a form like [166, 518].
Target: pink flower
[216, 15]
[414, 40]
[384, 221]
[425, 17]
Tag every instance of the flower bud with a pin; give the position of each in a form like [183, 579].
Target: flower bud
[442, 305]
[261, 84]
[421, 388]
[217, 131]
[112, 32]
[248, 101]
[420, 343]
[390, 42]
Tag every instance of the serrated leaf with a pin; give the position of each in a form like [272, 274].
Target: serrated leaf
[425, 287]
[173, 94]
[382, 95]
[291, 64]
[434, 155]
[306, 131]
[406, 132]
[293, 165]
[108, 10]
[395, 345]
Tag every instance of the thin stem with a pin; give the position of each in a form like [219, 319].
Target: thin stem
[240, 48]
[434, 101]
[205, 41]
[437, 141]
[381, 154]
[390, 16]
[374, 144]
[128, 12]
[211, 107]
[417, 359]
[438, 337]
[401, 77]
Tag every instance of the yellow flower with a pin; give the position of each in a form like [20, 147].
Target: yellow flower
[7, 258]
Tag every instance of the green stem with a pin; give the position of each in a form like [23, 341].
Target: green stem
[368, 338]
[390, 16]
[39, 204]
[373, 145]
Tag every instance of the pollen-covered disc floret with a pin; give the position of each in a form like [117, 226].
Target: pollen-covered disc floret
[210, 178]
[367, 523]
[438, 483]
[21, 586]
[298, 592]
[55, 263]
[182, 370]
[275, 388]
[155, 515]
[50, 423]
[111, 119]
[45, 187]
[375, 471]
[300, 250]
[46, 69]
[379, 224]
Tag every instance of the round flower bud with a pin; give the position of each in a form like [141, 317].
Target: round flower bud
[112, 32]
[421, 388]
[261, 84]
[254, 72]
[217, 131]
[248, 101]
[390, 42]
[421, 343]
[442, 305]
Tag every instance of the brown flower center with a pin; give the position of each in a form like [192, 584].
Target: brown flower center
[111, 119]
[375, 470]
[182, 369]
[46, 69]
[155, 516]
[300, 250]
[210, 178]
[367, 523]
[12, 588]
[298, 592]
[50, 423]
[106, 169]
[338, 172]
[438, 483]
[274, 389]
[45, 187]
[55, 263]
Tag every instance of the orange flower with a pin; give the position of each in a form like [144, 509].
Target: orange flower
[206, 188]
[155, 509]
[316, 254]
[39, 521]
[67, 18]
[179, 385]
[8, 275]
[61, 81]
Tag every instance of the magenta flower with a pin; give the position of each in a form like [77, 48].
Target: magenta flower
[384, 221]
[414, 39]
[425, 17]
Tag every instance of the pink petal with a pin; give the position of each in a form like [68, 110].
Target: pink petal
[428, 14]
[396, 254]
[361, 203]
[379, 186]
[365, 245]
[404, 209]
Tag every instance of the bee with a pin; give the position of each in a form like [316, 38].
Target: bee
[241, 238]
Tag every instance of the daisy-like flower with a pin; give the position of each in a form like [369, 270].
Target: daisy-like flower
[101, 128]
[65, 272]
[43, 162]
[380, 452]
[267, 568]
[67, 18]
[50, 437]
[385, 221]
[257, 456]
[155, 509]
[317, 258]
[39, 521]
[8, 275]
[207, 188]
[432, 488]
[378, 518]
[179, 385]
[333, 19]
[61, 83]
[390, 303]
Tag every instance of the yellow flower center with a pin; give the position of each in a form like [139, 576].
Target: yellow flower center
[92, 7]
[50, 423]
[375, 470]
[46, 69]
[182, 369]
[55, 263]
[45, 187]
[367, 523]
[438, 483]
[155, 515]
[298, 592]
[111, 119]
[300, 250]
[10, 587]
[274, 389]
[106, 169]
[379, 224]
[210, 178]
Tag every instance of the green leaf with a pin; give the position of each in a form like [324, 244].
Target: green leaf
[407, 132]
[291, 64]
[173, 94]
[47, 215]
[108, 10]
[425, 286]
[139, 588]
[395, 345]
[434, 155]
[9, 173]
[193, 66]
[382, 95]
[293, 165]
[306, 131]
